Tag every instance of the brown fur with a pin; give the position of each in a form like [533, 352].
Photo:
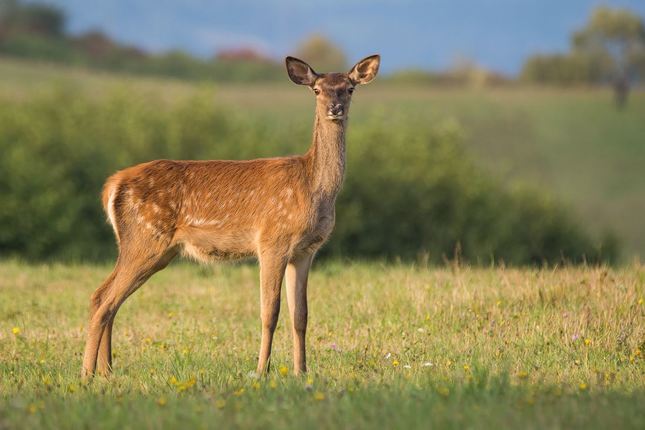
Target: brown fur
[278, 209]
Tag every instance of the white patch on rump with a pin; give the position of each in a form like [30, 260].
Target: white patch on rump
[110, 211]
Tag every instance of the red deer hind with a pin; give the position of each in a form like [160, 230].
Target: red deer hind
[279, 209]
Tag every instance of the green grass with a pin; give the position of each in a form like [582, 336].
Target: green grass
[389, 347]
[572, 142]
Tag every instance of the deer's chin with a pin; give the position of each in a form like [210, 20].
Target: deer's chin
[335, 117]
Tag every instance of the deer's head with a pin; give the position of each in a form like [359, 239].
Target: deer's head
[333, 90]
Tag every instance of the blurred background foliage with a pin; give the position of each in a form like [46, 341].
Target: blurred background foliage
[438, 161]
[411, 190]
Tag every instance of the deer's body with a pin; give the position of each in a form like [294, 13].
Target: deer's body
[278, 209]
[225, 210]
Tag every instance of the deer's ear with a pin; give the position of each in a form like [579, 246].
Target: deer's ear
[365, 70]
[300, 72]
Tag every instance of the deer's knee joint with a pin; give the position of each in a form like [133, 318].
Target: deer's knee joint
[270, 321]
[300, 322]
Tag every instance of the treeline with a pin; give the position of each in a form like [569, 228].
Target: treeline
[609, 48]
[411, 190]
[37, 31]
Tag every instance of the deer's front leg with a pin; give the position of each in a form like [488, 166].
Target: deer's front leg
[271, 273]
[296, 280]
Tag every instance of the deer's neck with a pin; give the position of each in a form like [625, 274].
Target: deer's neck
[326, 157]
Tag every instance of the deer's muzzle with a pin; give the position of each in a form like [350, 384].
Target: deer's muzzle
[335, 111]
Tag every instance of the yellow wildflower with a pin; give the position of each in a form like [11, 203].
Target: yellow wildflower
[395, 362]
[16, 331]
[284, 370]
[319, 395]
[582, 386]
[523, 374]
[239, 392]
[466, 368]
[161, 401]
[187, 384]
[587, 341]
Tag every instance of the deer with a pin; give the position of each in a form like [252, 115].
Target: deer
[280, 210]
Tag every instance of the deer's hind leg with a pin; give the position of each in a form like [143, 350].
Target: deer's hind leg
[136, 263]
[104, 363]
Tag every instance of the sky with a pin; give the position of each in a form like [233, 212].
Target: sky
[431, 34]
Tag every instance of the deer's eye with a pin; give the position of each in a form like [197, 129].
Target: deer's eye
[316, 91]
[350, 90]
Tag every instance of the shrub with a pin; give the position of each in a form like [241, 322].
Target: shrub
[410, 188]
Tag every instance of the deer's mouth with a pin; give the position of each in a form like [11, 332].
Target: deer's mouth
[335, 117]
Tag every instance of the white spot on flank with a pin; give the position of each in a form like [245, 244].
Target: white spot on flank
[196, 222]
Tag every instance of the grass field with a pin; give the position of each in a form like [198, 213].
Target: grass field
[571, 142]
[389, 347]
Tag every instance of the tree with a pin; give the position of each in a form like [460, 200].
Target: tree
[610, 48]
[40, 19]
[615, 37]
[614, 34]
[322, 53]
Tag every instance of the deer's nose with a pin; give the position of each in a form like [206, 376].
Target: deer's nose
[335, 110]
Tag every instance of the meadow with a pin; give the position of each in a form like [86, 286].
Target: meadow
[390, 346]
